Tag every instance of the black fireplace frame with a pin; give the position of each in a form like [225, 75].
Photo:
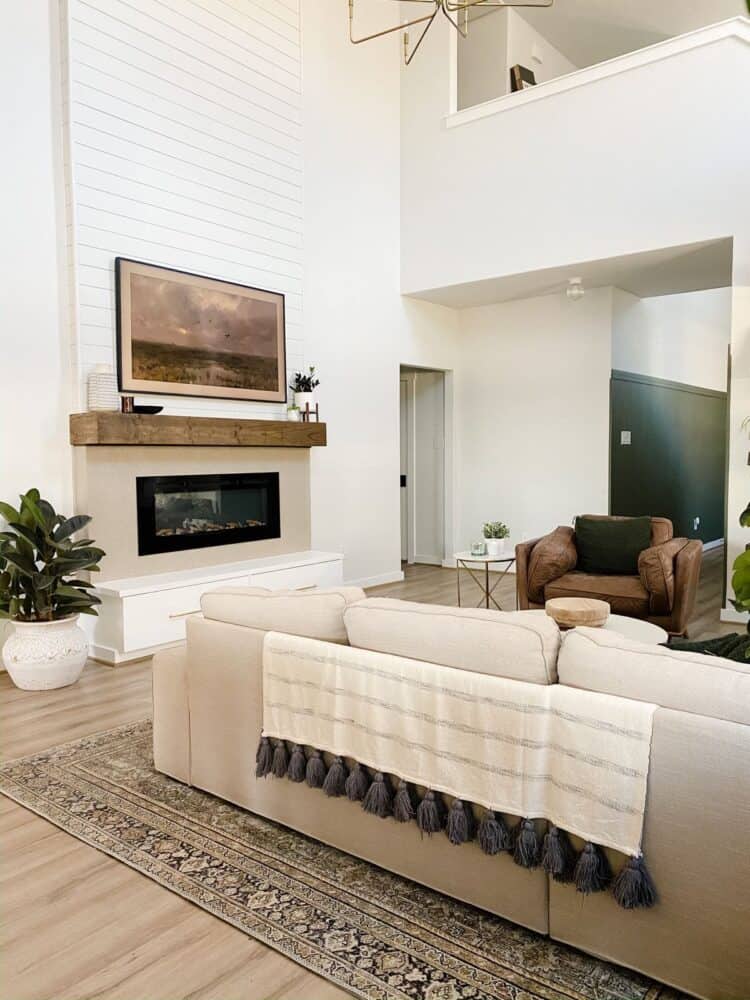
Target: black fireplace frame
[149, 543]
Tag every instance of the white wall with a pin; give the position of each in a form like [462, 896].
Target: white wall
[428, 482]
[527, 47]
[613, 163]
[359, 329]
[186, 150]
[495, 42]
[533, 394]
[683, 338]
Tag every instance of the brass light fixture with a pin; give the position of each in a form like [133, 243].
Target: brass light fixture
[448, 8]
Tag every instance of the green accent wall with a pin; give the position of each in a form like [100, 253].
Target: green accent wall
[675, 465]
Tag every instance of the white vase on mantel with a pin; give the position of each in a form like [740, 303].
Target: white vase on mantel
[40, 656]
[495, 547]
[302, 399]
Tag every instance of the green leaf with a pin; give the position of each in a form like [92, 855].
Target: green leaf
[21, 563]
[8, 512]
[29, 505]
[745, 515]
[70, 527]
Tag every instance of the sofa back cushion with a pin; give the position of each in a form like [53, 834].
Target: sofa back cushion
[611, 545]
[318, 614]
[605, 661]
[552, 557]
[507, 644]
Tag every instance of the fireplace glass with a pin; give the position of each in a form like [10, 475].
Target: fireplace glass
[188, 512]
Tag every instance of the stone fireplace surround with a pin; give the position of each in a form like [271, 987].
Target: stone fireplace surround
[147, 598]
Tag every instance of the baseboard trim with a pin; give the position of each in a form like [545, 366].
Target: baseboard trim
[376, 581]
[734, 617]
[715, 544]
[114, 658]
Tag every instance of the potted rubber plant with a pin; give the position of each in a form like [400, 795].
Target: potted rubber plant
[42, 594]
[303, 386]
[741, 572]
[495, 533]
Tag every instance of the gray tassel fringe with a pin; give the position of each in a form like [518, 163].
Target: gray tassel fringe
[558, 856]
[315, 773]
[335, 783]
[297, 764]
[493, 834]
[263, 758]
[459, 826]
[357, 784]
[633, 887]
[430, 817]
[280, 760]
[592, 872]
[526, 850]
[378, 801]
[403, 803]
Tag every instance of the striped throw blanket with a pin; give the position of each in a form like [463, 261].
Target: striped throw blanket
[577, 759]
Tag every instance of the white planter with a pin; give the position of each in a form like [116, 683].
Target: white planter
[43, 655]
[302, 398]
[495, 546]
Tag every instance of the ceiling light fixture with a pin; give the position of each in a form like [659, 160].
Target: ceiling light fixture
[447, 8]
[575, 289]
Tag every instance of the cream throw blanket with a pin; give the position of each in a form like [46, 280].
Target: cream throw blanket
[576, 758]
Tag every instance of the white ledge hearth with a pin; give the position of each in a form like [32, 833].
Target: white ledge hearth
[141, 614]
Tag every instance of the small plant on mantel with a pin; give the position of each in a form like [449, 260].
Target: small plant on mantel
[304, 383]
[42, 594]
[495, 532]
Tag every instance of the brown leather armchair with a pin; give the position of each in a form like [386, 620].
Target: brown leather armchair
[663, 592]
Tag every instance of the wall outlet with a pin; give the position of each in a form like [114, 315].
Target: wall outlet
[696, 523]
[624, 437]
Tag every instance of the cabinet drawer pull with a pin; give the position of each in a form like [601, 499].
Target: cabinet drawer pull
[185, 614]
[310, 586]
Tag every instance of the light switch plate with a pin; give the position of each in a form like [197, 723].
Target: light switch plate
[624, 437]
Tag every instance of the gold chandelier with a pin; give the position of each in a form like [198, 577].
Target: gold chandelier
[448, 8]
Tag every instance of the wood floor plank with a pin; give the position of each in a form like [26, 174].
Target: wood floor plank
[78, 925]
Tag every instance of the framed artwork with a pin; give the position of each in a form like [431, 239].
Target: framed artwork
[187, 335]
[521, 78]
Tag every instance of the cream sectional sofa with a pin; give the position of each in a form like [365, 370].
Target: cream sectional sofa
[208, 714]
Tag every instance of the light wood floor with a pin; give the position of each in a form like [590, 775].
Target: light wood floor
[78, 925]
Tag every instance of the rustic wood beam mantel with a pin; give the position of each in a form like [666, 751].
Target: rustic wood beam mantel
[138, 429]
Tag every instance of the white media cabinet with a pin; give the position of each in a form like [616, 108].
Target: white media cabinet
[145, 613]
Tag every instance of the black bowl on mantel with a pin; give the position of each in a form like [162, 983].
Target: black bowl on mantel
[138, 408]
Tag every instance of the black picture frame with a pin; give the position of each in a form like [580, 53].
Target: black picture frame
[521, 78]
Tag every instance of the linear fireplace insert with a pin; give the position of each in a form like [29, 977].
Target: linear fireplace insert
[191, 512]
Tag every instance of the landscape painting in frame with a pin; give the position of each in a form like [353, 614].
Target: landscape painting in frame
[187, 335]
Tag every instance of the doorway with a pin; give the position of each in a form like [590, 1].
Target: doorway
[422, 476]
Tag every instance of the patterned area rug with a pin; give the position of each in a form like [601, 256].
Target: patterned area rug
[374, 934]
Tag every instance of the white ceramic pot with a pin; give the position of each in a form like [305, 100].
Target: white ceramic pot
[43, 655]
[302, 398]
[495, 546]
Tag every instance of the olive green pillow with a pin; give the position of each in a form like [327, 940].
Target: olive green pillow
[611, 546]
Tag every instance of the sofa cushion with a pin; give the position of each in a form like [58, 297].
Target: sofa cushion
[605, 661]
[661, 530]
[552, 557]
[504, 643]
[625, 595]
[611, 545]
[656, 570]
[318, 614]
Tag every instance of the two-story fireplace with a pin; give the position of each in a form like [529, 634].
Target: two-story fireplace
[190, 512]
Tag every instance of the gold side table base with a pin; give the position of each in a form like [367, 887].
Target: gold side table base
[482, 583]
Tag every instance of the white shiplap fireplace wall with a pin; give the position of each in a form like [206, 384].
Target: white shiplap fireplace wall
[184, 134]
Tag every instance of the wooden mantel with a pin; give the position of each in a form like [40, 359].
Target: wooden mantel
[98, 428]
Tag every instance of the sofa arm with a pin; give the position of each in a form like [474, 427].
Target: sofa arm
[687, 571]
[656, 568]
[523, 554]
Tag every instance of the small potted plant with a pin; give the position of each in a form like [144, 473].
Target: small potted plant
[495, 533]
[303, 386]
[292, 412]
[42, 594]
